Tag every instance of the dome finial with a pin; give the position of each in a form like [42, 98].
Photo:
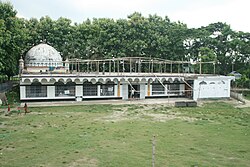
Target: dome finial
[21, 58]
[44, 41]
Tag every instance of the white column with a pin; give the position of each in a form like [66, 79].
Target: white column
[79, 90]
[98, 90]
[146, 89]
[115, 90]
[51, 92]
[67, 64]
[22, 92]
[228, 87]
[142, 90]
[124, 89]
[121, 90]
[196, 90]
[166, 89]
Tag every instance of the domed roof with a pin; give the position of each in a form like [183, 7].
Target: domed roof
[43, 55]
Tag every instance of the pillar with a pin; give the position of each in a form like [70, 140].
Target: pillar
[51, 92]
[21, 66]
[142, 90]
[119, 89]
[67, 64]
[166, 87]
[125, 91]
[148, 91]
[228, 87]
[98, 90]
[79, 92]
[196, 90]
[22, 92]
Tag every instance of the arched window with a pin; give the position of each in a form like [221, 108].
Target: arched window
[211, 83]
[36, 90]
[107, 89]
[157, 88]
[89, 89]
[64, 90]
[173, 88]
[203, 83]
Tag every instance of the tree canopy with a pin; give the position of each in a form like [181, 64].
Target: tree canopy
[98, 38]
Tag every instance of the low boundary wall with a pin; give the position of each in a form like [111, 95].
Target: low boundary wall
[237, 96]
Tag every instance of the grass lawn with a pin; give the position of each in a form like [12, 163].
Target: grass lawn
[216, 134]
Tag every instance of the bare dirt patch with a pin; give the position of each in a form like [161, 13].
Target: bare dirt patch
[169, 116]
[145, 112]
[84, 162]
[243, 105]
[234, 102]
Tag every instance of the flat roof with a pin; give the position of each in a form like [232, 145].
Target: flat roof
[115, 74]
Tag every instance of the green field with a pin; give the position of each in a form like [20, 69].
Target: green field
[216, 134]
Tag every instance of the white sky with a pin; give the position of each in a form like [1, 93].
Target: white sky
[194, 13]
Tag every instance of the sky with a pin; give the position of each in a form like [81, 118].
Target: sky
[194, 13]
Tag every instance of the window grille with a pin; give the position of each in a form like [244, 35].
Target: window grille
[36, 90]
[158, 89]
[64, 90]
[174, 88]
[89, 89]
[107, 90]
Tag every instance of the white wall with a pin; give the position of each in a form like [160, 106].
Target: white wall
[213, 87]
[124, 88]
[143, 90]
[22, 92]
[209, 90]
[79, 90]
[51, 91]
[116, 90]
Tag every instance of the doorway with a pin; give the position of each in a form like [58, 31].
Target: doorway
[188, 90]
[136, 91]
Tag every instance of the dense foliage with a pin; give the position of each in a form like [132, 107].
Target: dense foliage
[151, 36]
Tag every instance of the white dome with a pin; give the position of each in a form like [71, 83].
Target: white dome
[43, 55]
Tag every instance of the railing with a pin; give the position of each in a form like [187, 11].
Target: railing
[4, 87]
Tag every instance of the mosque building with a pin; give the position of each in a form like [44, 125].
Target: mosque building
[45, 76]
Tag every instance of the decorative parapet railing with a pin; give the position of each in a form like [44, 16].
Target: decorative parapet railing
[122, 65]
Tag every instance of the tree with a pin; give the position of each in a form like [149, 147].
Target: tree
[207, 55]
[11, 39]
[98, 38]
